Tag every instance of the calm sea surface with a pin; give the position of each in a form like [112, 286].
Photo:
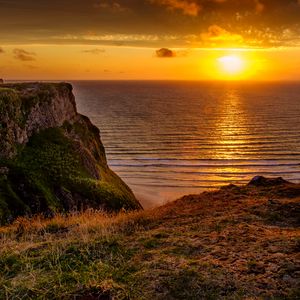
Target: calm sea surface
[168, 139]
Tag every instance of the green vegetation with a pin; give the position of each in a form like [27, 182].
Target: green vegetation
[48, 168]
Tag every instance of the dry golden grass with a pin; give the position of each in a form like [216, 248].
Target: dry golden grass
[236, 243]
[84, 226]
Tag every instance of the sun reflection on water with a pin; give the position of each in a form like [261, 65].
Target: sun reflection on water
[231, 125]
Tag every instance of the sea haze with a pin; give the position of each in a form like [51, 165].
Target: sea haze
[168, 139]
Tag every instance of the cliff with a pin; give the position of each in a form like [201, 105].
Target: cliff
[51, 157]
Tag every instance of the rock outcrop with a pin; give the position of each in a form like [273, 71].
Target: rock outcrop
[25, 109]
[51, 157]
[260, 181]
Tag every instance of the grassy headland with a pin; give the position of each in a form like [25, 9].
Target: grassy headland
[52, 159]
[235, 243]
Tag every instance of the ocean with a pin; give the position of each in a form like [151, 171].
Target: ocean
[169, 139]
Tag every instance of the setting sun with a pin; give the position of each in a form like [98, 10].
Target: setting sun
[232, 64]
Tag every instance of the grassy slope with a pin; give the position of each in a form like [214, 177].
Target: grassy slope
[236, 243]
[49, 162]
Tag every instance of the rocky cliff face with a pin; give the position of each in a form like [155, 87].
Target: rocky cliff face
[28, 108]
[51, 157]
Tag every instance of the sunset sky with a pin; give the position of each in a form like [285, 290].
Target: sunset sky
[150, 39]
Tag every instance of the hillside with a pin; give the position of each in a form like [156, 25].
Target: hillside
[51, 158]
[234, 243]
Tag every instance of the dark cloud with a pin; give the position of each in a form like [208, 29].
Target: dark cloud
[110, 6]
[173, 23]
[165, 53]
[95, 51]
[24, 55]
[1, 50]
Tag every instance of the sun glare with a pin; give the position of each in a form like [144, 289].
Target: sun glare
[232, 64]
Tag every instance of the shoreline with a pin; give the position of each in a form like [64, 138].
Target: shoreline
[160, 198]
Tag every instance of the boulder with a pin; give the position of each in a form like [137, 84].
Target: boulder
[260, 181]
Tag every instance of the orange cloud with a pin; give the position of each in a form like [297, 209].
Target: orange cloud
[193, 7]
[189, 8]
[24, 55]
[218, 35]
[259, 7]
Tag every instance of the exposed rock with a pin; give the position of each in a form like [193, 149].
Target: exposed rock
[51, 157]
[28, 108]
[261, 181]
